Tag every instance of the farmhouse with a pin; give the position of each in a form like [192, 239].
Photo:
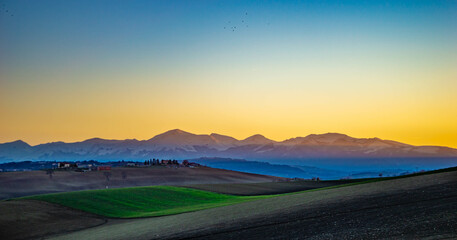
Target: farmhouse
[103, 168]
[86, 168]
[66, 165]
[193, 165]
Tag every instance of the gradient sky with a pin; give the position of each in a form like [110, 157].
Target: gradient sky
[72, 70]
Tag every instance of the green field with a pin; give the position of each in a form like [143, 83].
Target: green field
[148, 201]
[142, 201]
[153, 200]
[165, 200]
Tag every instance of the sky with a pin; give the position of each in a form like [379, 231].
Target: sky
[73, 70]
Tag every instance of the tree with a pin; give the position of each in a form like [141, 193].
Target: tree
[50, 172]
[124, 175]
[107, 175]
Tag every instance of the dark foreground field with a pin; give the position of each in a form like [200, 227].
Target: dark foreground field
[423, 213]
[29, 219]
[417, 207]
[18, 184]
[408, 208]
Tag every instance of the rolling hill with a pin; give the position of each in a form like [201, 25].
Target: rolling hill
[265, 168]
[19, 184]
[412, 207]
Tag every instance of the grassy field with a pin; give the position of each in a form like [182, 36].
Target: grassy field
[142, 201]
[148, 201]
[423, 204]
[423, 201]
[167, 200]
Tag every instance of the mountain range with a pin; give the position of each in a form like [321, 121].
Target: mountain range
[315, 149]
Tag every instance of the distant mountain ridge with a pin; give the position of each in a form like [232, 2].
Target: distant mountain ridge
[290, 171]
[179, 144]
[270, 169]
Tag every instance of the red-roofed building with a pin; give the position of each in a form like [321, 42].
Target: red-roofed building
[103, 168]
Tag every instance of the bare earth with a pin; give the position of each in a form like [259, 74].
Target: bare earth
[28, 219]
[19, 184]
[408, 208]
[266, 188]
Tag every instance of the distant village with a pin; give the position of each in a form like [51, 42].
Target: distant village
[85, 167]
[92, 165]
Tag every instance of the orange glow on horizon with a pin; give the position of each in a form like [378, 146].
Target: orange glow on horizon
[387, 71]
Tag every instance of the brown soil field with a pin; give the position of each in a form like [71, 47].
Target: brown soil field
[266, 188]
[28, 219]
[423, 213]
[415, 207]
[19, 184]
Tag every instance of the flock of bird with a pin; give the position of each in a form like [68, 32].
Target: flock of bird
[233, 28]
[5, 10]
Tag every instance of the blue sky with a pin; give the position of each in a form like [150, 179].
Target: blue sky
[69, 67]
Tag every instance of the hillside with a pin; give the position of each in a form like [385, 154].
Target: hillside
[137, 202]
[279, 170]
[18, 184]
[424, 205]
